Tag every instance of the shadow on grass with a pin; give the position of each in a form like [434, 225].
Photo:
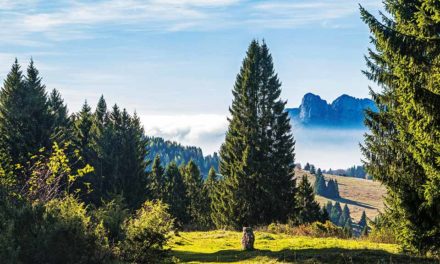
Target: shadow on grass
[351, 202]
[328, 255]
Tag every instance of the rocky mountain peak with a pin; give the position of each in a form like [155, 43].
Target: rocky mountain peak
[343, 111]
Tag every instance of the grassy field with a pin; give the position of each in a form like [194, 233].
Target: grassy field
[224, 247]
[358, 194]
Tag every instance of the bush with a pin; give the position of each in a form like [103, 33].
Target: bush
[146, 234]
[382, 230]
[382, 235]
[316, 229]
[58, 232]
[112, 215]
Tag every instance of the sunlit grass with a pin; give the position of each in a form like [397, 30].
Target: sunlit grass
[225, 247]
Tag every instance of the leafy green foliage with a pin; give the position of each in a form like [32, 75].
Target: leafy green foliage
[146, 234]
[52, 177]
[60, 227]
[112, 215]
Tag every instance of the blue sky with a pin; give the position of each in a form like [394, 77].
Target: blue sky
[175, 61]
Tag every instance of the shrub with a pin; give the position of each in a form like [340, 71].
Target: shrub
[382, 235]
[382, 231]
[146, 234]
[58, 232]
[112, 215]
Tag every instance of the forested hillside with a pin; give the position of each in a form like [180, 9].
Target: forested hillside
[169, 151]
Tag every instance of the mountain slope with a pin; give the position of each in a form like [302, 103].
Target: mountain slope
[344, 111]
[358, 194]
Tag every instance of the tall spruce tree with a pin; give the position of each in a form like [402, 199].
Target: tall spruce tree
[197, 206]
[174, 193]
[363, 221]
[335, 214]
[307, 167]
[345, 216]
[156, 180]
[403, 147]
[257, 158]
[211, 181]
[83, 138]
[319, 186]
[308, 209]
[312, 169]
[210, 185]
[329, 207]
[100, 135]
[61, 121]
[25, 122]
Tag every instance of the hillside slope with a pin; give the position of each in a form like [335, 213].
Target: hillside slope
[358, 194]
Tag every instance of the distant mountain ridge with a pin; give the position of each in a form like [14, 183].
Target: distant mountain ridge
[344, 111]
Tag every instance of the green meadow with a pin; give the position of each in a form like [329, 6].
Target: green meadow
[225, 247]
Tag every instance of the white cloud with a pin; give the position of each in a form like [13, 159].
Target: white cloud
[285, 14]
[66, 20]
[205, 131]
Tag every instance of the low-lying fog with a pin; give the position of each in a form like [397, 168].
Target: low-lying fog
[328, 147]
[325, 147]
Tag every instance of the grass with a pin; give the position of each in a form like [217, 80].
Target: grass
[359, 194]
[224, 247]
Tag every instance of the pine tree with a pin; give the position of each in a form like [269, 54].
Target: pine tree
[61, 122]
[307, 167]
[312, 169]
[308, 209]
[25, 123]
[364, 232]
[197, 198]
[257, 158]
[156, 180]
[348, 228]
[83, 128]
[83, 143]
[319, 186]
[325, 215]
[329, 207]
[401, 149]
[336, 213]
[332, 190]
[124, 147]
[99, 142]
[363, 221]
[319, 172]
[210, 187]
[174, 192]
[345, 216]
[211, 181]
